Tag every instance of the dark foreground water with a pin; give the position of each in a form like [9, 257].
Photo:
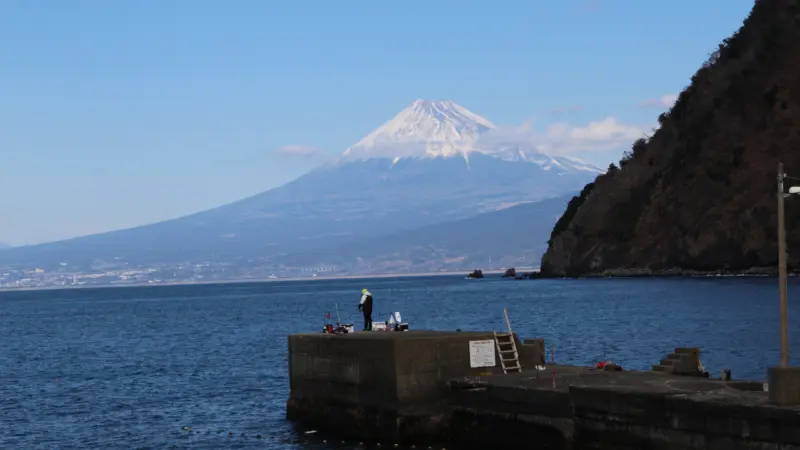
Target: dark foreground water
[128, 368]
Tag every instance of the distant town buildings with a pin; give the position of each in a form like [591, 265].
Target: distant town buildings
[105, 274]
[118, 272]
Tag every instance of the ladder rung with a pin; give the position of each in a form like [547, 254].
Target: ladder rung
[506, 345]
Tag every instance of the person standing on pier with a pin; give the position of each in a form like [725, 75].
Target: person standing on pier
[365, 306]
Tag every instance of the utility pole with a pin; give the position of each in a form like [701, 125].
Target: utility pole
[782, 269]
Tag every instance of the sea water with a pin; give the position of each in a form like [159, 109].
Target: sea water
[206, 366]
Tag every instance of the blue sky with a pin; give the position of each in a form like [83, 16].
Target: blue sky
[115, 114]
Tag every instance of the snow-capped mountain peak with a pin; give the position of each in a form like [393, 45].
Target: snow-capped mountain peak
[443, 128]
[426, 128]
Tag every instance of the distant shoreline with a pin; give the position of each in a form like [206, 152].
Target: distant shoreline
[673, 273]
[629, 275]
[259, 280]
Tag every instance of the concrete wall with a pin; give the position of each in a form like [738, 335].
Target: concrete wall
[417, 387]
[616, 419]
[425, 364]
[532, 353]
[326, 367]
[673, 414]
[378, 385]
[506, 417]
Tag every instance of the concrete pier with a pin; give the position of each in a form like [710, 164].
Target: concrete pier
[595, 409]
[417, 387]
[383, 385]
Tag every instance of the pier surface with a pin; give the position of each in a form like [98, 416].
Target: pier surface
[596, 409]
[418, 386]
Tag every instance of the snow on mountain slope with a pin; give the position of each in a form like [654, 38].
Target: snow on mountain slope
[426, 128]
[444, 129]
[523, 153]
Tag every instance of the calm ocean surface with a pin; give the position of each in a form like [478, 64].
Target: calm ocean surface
[129, 367]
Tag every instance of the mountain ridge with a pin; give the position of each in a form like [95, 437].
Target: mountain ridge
[699, 195]
[361, 198]
[515, 235]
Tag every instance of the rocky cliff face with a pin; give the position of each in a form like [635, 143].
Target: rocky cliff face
[700, 194]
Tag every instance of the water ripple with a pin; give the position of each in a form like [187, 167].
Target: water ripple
[130, 368]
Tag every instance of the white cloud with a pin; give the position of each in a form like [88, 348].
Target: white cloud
[299, 151]
[665, 101]
[568, 139]
[602, 132]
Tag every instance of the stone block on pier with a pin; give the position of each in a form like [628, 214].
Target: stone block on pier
[784, 386]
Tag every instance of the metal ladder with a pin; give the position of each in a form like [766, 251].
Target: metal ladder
[507, 348]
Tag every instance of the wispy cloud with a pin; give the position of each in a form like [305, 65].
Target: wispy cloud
[563, 138]
[590, 6]
[299, 151]
[663, 102]
[565, 109]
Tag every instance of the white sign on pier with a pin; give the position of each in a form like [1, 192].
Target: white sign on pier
[481, 353]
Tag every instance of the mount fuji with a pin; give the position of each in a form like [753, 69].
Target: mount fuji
[431, 164]
[443, 129]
